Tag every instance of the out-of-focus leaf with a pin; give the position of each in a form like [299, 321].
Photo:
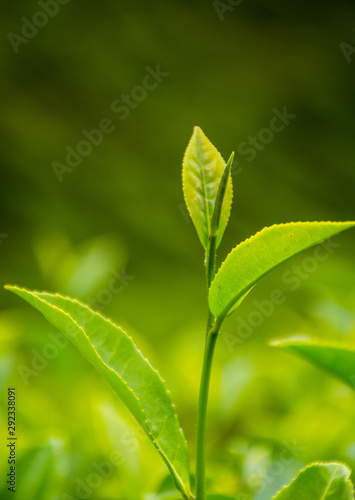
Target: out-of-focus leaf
[34, 473]
[337, 360]
[167, 495]
[319, 482]
[203, 167]
[219, 497]
[255, 257]
[114, 354]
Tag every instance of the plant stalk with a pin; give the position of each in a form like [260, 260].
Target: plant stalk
[202, 414]
[213, 327]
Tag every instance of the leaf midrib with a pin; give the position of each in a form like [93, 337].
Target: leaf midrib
[329, 483]
[200, 158]
[252, 283]
[153, 439]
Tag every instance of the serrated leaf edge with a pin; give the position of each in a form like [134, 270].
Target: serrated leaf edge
[340, 464]
[219, 236]
[148, 428]
[227, 308]
[220, 232]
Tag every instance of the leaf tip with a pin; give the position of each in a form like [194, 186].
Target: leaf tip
[290, 340]
[199, 135]
[11, 288]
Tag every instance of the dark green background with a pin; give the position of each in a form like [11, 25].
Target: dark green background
[122, 208]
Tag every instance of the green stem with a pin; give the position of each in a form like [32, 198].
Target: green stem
[213, 327]
[211, 337]
[202, 414]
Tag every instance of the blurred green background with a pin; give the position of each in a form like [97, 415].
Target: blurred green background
[119, 218]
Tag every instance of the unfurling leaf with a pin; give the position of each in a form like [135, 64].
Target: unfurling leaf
[113, 353]
[255, 257]
[319, 482]
[203, 167]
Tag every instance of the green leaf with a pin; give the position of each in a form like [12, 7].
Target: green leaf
[221, 195]
[113, 353]
[337, 360]
[203, 167]
[255, 257]
[35, 472]
[172, 496]
[319, 482]
[167, 495]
